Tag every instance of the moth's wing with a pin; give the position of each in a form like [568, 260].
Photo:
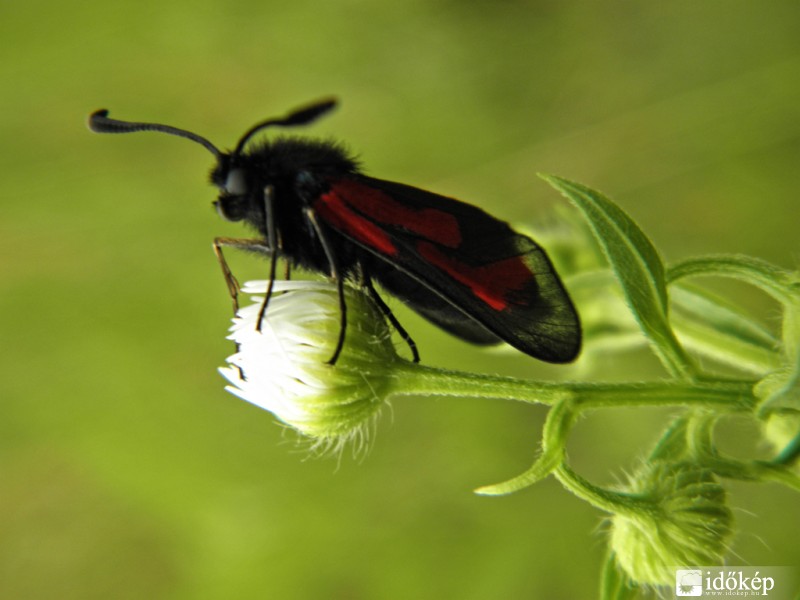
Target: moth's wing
[432, 306]
[482, 269]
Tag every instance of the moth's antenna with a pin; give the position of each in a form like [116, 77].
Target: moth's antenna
[100, 123]
[301, 116]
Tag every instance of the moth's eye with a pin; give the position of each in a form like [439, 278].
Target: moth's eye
[235, 184]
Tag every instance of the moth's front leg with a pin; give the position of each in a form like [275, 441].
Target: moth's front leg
[252, 245]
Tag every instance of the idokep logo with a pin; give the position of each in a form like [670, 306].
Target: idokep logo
[742, 582]
[689, 582]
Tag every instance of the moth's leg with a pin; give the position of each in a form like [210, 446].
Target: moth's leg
[272, 242]
[337, 277]
[253, 245]
[412, 345]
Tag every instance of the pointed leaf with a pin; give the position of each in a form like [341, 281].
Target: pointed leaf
[554, 441]
[637, 265]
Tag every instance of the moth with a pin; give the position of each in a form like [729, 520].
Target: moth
[310, 203]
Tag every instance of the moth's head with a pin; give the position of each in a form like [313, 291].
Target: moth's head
[231, 174]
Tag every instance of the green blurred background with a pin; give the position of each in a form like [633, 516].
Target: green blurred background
[125, 469]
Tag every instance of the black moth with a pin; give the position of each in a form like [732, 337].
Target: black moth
[454, 264]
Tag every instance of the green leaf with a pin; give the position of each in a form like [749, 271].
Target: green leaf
[636, 264]
[715, 328]
[728, 318]
[554, 441]
[781, 284]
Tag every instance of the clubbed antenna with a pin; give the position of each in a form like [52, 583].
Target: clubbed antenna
[300, 116]
[99, 122]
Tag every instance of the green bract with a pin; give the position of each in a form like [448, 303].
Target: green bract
[683, 521]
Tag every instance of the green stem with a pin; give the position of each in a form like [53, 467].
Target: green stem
[606, 500]
[415, 379]
[731, 396]
[777, 282]
[670, 352]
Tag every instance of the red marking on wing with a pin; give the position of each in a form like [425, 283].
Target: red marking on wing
[491, 283]
[338, 213]
[430, 223]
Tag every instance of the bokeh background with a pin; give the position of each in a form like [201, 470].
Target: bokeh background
[125, 469]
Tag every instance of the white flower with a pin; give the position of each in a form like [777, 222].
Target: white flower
[284, 367]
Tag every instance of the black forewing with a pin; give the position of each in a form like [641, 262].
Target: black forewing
[477, 264]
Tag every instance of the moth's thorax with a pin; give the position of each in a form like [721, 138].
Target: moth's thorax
[284, 166]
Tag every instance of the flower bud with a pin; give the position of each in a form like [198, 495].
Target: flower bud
[284, 368]
[683, 521]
